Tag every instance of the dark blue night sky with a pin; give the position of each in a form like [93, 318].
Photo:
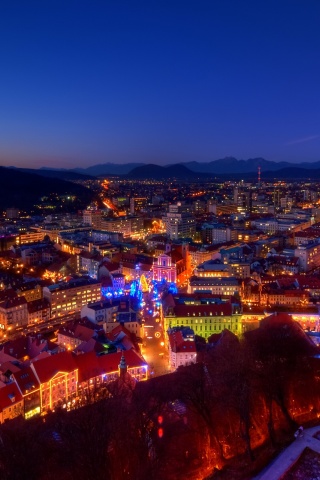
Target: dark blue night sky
[158, 81]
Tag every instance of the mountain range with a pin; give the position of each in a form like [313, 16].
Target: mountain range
[182, 173]
[24, 187]
[228, 168]
[225, 165]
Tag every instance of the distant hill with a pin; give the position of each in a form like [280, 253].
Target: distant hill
[287, 174]
[216, 167]
[108, 169]
[23, 190]
[68, 175]
[293, 173]
[231, 164]
[223, 169]
[181, 172]
[163, 173]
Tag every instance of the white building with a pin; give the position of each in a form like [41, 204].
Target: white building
[221, 286]
[179, 222]
[182, 347]
[309, 256]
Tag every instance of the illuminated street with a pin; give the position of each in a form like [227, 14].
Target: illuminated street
[154, 350]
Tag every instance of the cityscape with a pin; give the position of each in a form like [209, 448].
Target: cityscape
[190, 304]
[159, 240]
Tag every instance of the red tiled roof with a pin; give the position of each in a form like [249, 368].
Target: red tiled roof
[142, 266]
[9, 395]
[48, 367]
[83, 333]
[17, 348]
[285, 281]
[109, 363]
[289, 293]
[203, 310]
[77, 330]
[91, 345]
[307, 281]
[276, 318]
[26, 380]
[9, 365]
[90, 365]
[111, 266]
[179, 345]
[115, 332]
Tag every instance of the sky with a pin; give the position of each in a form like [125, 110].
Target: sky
[89, 82]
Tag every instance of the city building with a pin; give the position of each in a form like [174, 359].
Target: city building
[182, 347]
[215, 233]
[283, 264]
[97, 370]
[204, 319]
[71, 336]
[38, 311]
[164, 269]
[179, 222]
[31, 291]
[88, 263]
[66, 297]
[137, 204]
[13, 313]
[220, 286]
[29, 388]
[11, 402]
[212, 268]
[309, 256]
[110, 313]
[58, 379]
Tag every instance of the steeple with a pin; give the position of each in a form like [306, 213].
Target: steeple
[122, 366]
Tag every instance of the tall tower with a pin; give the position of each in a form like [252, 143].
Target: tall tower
[259, 176]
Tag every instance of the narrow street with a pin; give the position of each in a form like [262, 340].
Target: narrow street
[154, 350]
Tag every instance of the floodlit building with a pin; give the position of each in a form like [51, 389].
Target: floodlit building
[164, 269]
[58, 379]
[71, 296]
[204, 319]
[13, 313]
[221, 286]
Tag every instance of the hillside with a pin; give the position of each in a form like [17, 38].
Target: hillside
[108, 169]
[24, 190]
[163, 173]
[68, 175]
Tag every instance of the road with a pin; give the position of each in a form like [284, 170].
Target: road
[43, 327]
[281, 464]
[153, 349]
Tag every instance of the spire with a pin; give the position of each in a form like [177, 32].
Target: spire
[122, 366]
